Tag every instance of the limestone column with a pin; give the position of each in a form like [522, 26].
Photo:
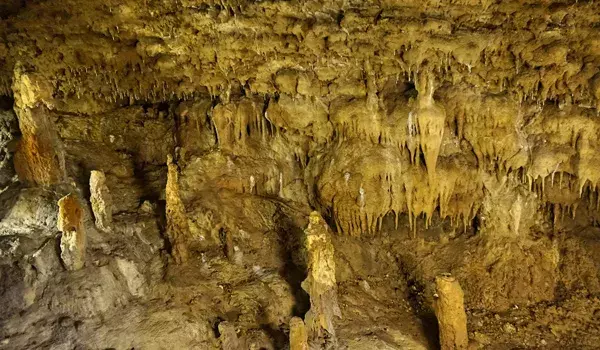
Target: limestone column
[450, 312]
[39, 159]
[178, 231]
[320, 284]
[73, 239]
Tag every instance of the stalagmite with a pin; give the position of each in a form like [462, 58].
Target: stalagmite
[320, 284]
[101, 200]
[73, 239]
[450, 312]
[229, 339]
[298, 336]
[39, 158]
[177, 225]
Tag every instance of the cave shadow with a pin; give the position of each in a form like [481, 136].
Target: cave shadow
[279, 340]
[425, 313]
[290, 250]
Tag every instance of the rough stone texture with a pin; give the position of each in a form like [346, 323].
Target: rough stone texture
[298, 335]
[73, 239]
[39, 158]
[431, 136]
[8, 131]
[177, 226]
[320, 284]
[135, 281]
[229, 339]
[101, 200]
[450, 312]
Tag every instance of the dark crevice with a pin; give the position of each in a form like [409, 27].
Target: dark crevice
[294, 271]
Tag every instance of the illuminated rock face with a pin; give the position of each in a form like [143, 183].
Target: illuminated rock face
[298, 336]
[177, 225]
[190, 140]
[73, 239]
[450, 312]
[320, 284]
[101, 200]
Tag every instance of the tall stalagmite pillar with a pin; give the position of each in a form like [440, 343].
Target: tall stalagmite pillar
[320, 284]
[39, 159]
[178, 230]
[450, 312]
[73, 239]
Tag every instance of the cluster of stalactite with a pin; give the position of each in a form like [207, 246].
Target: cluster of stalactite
[402, 150]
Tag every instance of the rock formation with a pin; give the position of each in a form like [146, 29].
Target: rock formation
[190, 140]
[73, 239]
[450, 313]
[101, 200]
[39, 157]
[177, 225]
[298, 335]
[321, 284]
[229, 338]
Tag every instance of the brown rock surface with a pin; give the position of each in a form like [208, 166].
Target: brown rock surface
[426, 136]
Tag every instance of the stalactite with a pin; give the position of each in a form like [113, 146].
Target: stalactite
[228, 337]
[431, 120]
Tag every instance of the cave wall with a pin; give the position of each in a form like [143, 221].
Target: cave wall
[220, 126]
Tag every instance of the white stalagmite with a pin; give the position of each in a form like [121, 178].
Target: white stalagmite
[320, 284]
[101, 200]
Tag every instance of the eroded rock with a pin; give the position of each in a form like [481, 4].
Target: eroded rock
[101, 200]
[320, 284]
[73, 239]
[450, 311]
[178, 230]
[229, 339]
[298, 336]
[39, 158]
